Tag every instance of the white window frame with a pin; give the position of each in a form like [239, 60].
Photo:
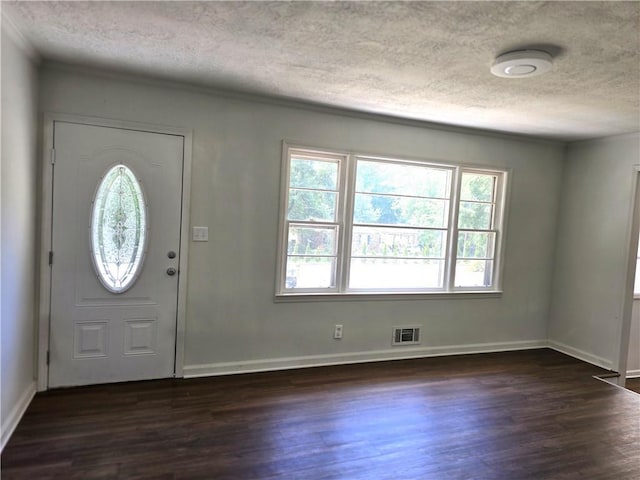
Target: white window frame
[347, 162]
[636, 294]
[497, 226]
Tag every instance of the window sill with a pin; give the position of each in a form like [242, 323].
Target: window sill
[379, 296]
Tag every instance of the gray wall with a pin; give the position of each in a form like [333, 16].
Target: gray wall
[593, 235]
[18, 243]
[233, 323]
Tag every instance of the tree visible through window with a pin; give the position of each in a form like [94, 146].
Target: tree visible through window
[312, 222]
[361, 224]
[399, 227]
[476, 230]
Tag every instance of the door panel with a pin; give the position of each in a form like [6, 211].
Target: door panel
[98, 336]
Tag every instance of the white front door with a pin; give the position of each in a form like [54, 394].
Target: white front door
[116, 249]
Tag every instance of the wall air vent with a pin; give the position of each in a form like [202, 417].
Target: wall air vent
[406, 335]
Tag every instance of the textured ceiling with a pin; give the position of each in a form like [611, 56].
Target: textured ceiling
[419, 60]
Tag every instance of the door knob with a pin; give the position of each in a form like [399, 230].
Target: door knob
[171, 271]
[171, 254]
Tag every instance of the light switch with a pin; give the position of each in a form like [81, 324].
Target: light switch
[200, 234]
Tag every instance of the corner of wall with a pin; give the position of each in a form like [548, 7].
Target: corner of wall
[15, 415]
[14, 30]
[553, 281]
[593, 224]
[18, 223]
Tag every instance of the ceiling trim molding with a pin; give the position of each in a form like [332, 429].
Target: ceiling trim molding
[293, 103]
[632, 136]
[16, 33]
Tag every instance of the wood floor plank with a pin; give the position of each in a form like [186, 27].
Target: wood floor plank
[533, 414]
[633, 384]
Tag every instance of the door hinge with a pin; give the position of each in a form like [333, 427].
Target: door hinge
[53, 156]
[50, 258]
[48, 357]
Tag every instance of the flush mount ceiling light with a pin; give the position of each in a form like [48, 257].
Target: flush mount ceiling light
[522, 63]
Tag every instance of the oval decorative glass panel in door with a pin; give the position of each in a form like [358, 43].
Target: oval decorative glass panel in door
[118, 229]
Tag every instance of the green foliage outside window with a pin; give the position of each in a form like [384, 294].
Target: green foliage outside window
[400, 217]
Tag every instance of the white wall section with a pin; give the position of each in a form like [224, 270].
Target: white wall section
[231, 314]
[18, 244]
[593, 237]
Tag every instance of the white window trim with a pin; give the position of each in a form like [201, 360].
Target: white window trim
[346, 182]
[636, 295]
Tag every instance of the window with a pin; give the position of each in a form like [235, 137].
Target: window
[118, 229]
[476, 230]
[359, 224]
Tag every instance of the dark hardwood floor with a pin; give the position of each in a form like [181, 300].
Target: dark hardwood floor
[520, 415]
[633, 384]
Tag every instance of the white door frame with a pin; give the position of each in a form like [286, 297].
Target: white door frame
[44, 306]
[627, 301]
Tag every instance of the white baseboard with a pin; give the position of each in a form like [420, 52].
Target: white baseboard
[581, 355]
[398, 353]
[633, 373]
[16, 413]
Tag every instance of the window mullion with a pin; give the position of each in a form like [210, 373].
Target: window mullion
[452, 240]
[499, 200]
[345, 220]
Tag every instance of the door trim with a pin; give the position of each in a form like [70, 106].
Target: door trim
[44, 303]
[624, 337]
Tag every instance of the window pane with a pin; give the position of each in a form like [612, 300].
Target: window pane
[318, 174]
[118, 229]
[311, 241]
[378, 273]
[477, 216]
[478, 187]
[391, 210]
[398, 242]
[385, 177]
[474, 273]
[310, 272]
[310, 205]
[475, 244]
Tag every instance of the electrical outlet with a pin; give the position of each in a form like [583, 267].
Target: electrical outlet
[337, 332]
